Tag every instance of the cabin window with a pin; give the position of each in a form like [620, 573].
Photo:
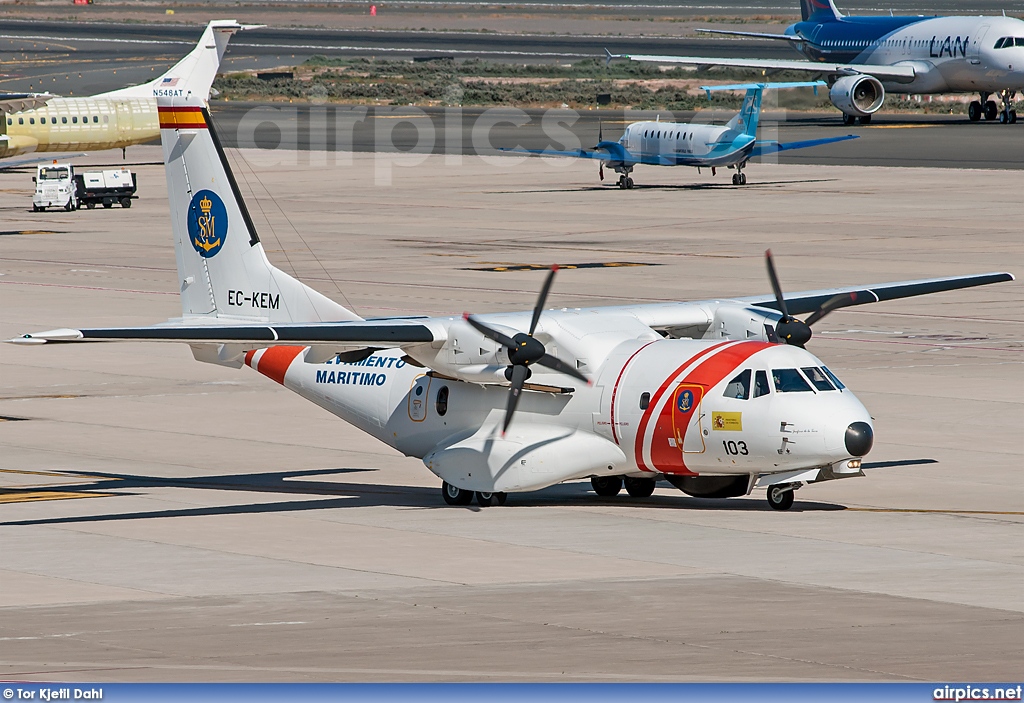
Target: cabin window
[10, 121]
[53, 120]
[74, 119]
[31, 120]
[739, 387]
[64, 120]
[761, 384]
[95, 119]
[106, 118]
[645, 400]
[21, 120]
[789, 381]
[442, 400]
[817, 377]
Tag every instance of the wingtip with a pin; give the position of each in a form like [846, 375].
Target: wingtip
[465, 316]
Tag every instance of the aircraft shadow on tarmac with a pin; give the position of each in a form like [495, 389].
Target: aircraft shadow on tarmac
[357, 495]
[670, 186]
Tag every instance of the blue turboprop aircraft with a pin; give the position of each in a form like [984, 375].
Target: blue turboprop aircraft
[691, 144]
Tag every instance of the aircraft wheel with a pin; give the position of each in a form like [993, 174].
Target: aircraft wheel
[849, 119]
[974, 111]
[486, 499]
[622, 182]
[629, 183]
[735, 179]
[743, 179]
[453, 495]
[780, 497]
[866, 119]
[606, 486]
[991, 111]
[640, 487]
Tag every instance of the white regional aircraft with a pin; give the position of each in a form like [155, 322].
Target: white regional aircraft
[863, 56]
[659, 143]
[717, 396]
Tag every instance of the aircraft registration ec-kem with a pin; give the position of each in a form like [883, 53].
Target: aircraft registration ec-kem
[718, 397]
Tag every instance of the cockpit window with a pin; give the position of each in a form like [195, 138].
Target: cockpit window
[817, 377]
[789, 381]
[739, 387]
[761, 384]
[835, 380]
[1006, 42]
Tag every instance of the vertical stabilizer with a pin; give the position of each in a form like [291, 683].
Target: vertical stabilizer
[195, 72]
[223, 271]
[819, 10]
[746, 119]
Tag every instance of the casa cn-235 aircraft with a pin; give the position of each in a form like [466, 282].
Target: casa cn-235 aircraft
[864, 56]
[717, 397]
[692, 144]
[117, 119]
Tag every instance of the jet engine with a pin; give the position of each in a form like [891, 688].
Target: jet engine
[859, 96]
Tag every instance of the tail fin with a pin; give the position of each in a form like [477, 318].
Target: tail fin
[222, 268]
[746, 119]
[195, 72]
[821, 10]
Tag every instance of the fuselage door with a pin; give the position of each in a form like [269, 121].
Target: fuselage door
[687, 412]
[974, 52]
[418, 398]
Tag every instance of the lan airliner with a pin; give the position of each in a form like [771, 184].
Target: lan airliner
[863, 56]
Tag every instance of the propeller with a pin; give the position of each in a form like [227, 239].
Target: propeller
[524, 349]
[600, 140]
[789, 328]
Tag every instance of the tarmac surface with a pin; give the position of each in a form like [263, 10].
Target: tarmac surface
[947, 141]
[167, 520]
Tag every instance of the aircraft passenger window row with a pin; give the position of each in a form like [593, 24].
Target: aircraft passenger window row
[53, 120]
[1006, 42]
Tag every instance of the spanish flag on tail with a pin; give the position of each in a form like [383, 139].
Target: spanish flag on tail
[181, 117]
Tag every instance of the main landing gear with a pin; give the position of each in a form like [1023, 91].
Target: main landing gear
[852, 119]
[609, 486]
[453, 495]
[625, 182]
[780, 497]
[739, 178]
[990, 111]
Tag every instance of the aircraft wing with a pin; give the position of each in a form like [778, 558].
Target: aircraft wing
[900, 74]
[756, 35]
[382, 333]
[808, 301]
[578, 153]
[768, 147]
[8, 164]
[16, 102]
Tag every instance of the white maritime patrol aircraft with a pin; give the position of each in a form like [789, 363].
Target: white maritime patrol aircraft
[717, 397]
[43, 122]
[861, 57]
[694, 144]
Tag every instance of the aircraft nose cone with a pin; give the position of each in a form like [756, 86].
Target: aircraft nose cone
[859, 438]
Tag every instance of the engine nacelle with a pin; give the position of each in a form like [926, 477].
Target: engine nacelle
[857, 95]
[528, 458]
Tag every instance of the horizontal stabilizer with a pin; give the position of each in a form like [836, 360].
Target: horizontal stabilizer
[763, 86]
[764, 148]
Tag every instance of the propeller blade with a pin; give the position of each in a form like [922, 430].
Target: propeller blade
[490, 333]
[542, 298]
[600, 131]
[834, 303]
[775, 283]
[519, 376]
[556, 364]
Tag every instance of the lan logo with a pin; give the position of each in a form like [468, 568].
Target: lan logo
[207, 223]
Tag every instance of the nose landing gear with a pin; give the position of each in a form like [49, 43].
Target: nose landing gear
[780, 497]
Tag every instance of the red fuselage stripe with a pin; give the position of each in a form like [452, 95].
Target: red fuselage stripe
[615, 389]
